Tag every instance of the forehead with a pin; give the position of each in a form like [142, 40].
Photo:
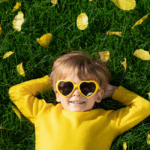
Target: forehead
[76, 75]
[72, 77]
[75, 78]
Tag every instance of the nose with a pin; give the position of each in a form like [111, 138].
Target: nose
[76, 92]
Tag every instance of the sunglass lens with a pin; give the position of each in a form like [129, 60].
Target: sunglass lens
[88, 88]
[65, 87]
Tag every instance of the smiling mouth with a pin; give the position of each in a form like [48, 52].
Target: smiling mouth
[77, 102]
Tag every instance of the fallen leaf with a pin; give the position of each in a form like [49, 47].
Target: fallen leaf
[82, 21]
[54, 2]
[17, 112]
[148, 139]
[18, 21]
[142, 54]
[124, 145]
[20, 70]
[7, 54]
[0, 30]
[125, 4]
[140, 21]
[148, 95]
[45, 40]
[114, 33]
[124, 64]
[16, 7]
[104, 55]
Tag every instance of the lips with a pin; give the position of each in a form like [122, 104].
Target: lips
[77, 102]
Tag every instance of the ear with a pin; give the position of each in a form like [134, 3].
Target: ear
[99, 96]
[57, 96]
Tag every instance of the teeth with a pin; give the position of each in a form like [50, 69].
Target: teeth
[78, 102]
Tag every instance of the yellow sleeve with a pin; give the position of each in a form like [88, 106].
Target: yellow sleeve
[24, 97]
[137, 109]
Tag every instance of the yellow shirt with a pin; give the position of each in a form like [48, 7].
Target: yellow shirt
[59, 129]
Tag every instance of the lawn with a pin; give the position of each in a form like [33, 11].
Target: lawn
[42, 17]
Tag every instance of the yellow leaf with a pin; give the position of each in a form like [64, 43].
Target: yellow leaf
[124, 64]
[148, 95]
[142, 54]
[54, 2]
[90, 0]
[45, 40]
[140, 21]
[148, 139]
[114, 33]
[17, 112]
[0, 30]
[82, 21]
[16, 7]
[104, 55]
[7, 54]
[18, 21]
[20, 70]
[124, 145]
[125, 4]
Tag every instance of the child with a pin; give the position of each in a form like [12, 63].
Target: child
[79, 82]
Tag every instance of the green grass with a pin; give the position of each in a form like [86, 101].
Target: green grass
[42, 18]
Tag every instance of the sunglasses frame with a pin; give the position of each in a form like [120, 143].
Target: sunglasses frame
[78, 86]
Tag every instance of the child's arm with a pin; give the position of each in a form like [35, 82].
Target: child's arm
[137, 109]
[23, 96]
[109, 91]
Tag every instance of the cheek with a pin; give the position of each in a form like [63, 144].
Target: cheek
[92, 100]
[63, 99]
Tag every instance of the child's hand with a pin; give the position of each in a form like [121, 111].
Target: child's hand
[110, 90]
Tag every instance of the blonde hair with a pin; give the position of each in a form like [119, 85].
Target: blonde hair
[87, 69]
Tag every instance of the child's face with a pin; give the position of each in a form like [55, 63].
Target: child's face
[77, 96]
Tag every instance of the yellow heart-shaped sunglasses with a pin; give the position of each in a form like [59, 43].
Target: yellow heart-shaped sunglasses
[86, 88]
